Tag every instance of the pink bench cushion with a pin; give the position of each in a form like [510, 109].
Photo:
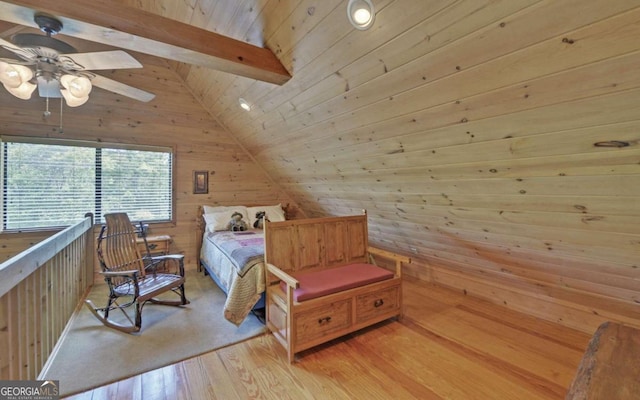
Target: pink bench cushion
[321, 283]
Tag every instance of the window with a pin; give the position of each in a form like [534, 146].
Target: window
[53, 184]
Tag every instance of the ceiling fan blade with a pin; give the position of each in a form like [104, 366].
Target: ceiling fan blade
[13, 61]
[25, 55]
[116, 59]
[121, 88]
[5, 43]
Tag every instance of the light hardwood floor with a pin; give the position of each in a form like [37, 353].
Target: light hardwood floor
[448, 346]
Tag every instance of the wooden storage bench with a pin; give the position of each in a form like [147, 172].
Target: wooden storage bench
[321, 281]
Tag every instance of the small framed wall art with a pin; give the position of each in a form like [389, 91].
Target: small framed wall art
[200, 182]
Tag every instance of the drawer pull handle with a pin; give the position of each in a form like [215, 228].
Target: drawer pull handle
[378, 303]
[323, 321]
[152, 246]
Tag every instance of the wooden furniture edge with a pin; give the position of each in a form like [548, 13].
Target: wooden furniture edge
[288, 279]
[398, 258]
[609, 367]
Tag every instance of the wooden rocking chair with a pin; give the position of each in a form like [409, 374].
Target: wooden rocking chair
[133, 279]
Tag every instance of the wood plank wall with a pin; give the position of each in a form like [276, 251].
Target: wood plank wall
[173, 119]
[467, 129]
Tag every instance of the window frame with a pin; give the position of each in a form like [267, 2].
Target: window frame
[87, 144]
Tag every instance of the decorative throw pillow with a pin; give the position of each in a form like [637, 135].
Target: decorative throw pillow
[274, 213]
[218, 221]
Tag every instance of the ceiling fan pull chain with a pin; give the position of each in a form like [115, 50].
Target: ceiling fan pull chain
[46, 110]
[61, 132]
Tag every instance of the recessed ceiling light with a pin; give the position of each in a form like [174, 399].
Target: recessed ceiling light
[361, 13]
[243, 103]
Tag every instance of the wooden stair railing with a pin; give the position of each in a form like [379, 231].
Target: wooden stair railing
[40, 289]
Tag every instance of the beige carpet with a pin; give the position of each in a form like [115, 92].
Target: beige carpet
[92, 355]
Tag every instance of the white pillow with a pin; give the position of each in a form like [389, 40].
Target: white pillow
[218, 221]
[217, 209]
[274, 213]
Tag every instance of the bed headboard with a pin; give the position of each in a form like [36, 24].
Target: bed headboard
[289, 210]
[297, 245]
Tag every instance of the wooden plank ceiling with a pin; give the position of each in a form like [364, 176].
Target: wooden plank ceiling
[134, 29]
[494, 141]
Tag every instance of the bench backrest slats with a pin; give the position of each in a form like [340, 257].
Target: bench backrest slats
[296, 245]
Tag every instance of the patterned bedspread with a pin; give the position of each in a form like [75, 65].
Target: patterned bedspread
[237, 261]
[244, 249]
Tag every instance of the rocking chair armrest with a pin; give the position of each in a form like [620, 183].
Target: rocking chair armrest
[155, 260]
[126, 274]
[167, 257]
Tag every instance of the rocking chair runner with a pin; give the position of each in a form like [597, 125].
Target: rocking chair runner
[132, 279]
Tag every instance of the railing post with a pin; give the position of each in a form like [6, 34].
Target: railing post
[89, 271]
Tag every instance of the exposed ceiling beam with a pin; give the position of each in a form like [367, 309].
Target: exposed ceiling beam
[7, 28]
[137, 30]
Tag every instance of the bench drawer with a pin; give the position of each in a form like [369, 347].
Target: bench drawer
[318, 322]
[371, 305]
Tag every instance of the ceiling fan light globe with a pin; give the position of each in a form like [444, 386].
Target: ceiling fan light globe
[14, 75]
[71, 100]
[9, 76]
[78, 86]
[23, 91]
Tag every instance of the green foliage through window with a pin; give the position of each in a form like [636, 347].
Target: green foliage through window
[50, 185]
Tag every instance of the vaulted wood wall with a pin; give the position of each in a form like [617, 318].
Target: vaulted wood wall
[481, 136]
[494, 142]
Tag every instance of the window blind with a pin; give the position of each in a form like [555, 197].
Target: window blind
[138, 182]
[54, 185]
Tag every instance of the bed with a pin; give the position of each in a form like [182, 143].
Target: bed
[235, 259]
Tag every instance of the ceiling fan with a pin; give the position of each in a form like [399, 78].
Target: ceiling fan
[57, 70]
